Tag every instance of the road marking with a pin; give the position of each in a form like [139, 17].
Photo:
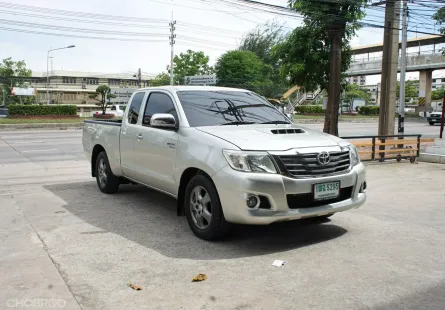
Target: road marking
[30, 151]
[27, 142]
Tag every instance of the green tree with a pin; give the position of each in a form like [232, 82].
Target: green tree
[437, 94]
[304, 58]
[161, 79]
[261, 41]
[410, 89]
[103, 92]
[439, 17]
[354, 91]
[243, 69]
[8, 70]
[190, 63]
[334, 22]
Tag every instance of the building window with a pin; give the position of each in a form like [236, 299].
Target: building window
[114, 82]
[69, 80]
[69, 96]
[92, 81]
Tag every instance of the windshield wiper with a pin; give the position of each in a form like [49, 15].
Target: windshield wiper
[237, 123]
[276, 122]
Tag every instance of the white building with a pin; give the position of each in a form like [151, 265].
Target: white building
[358, 80]
[438, 83]
[374, 91]
[74, 87]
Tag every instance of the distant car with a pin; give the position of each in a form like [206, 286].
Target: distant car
[434, 118]
[117, 110]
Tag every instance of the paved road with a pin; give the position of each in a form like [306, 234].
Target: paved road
[365, 129]
[64, 240]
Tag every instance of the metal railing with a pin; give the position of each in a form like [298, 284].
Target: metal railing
[375, 149]
[379, 58]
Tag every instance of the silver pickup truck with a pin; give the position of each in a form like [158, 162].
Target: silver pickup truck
[227, 156]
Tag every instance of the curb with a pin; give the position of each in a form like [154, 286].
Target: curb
[41, 126]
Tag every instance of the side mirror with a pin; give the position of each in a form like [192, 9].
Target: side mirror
[163, 120]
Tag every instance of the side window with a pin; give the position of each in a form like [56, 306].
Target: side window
[135, 107]
[158, 103]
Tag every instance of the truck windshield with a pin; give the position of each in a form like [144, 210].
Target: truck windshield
[212, 108]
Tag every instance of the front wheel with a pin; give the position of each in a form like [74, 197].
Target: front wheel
[107, 182]
[203, 209]
[431, 123]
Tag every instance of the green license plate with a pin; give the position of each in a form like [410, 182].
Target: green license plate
[323, 191]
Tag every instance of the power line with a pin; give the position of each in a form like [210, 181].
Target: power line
[78, 36]
[65, 19]
[77, 13]
[74, 29]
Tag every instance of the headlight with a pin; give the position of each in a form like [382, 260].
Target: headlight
[354, 155]
[250, 161]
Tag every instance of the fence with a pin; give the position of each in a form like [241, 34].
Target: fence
[400, 147]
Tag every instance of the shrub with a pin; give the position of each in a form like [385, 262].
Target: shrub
[369, 110]
[309, 109]
[30, 109]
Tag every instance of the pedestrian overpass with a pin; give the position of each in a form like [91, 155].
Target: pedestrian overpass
[431, 59]
[423, 61]
[430, 62]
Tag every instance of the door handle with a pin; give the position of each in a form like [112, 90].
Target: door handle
[140, 137]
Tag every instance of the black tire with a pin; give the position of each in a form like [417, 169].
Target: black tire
[431, 123]
[108, 183]
[217, 227]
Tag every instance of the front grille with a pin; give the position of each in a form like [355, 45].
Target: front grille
[306, 200]
[303, 165]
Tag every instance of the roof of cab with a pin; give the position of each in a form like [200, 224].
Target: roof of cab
[192, 88]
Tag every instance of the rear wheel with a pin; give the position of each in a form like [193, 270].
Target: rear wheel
[203, 209]
[107, 182]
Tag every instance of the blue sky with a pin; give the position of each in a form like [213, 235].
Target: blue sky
[210, 25]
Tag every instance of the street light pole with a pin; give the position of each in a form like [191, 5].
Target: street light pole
[47, 70]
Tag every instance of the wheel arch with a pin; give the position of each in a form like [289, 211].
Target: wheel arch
[186, 176]
[96, 151]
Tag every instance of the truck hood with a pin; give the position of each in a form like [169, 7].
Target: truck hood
[271, 137]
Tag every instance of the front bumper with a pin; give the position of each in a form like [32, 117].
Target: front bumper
[433, 119]
[234, 187]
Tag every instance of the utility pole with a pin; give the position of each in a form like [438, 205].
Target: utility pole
[172, 43]
[389, 68]
[401, 126]
[139, 76]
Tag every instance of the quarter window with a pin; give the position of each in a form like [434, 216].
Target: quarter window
[135, 107]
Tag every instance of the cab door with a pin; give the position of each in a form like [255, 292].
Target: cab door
[155, 148]
[128, 135]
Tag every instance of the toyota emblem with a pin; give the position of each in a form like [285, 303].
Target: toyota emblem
[324, 158]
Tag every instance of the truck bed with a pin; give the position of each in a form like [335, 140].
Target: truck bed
[112, 122]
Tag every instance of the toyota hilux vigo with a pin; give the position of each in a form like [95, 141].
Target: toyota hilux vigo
[227, 155]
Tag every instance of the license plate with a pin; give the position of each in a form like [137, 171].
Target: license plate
[323, 191]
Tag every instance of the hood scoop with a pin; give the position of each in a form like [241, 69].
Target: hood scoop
[287, 131]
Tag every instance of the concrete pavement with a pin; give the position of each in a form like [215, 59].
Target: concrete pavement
[64, 240]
